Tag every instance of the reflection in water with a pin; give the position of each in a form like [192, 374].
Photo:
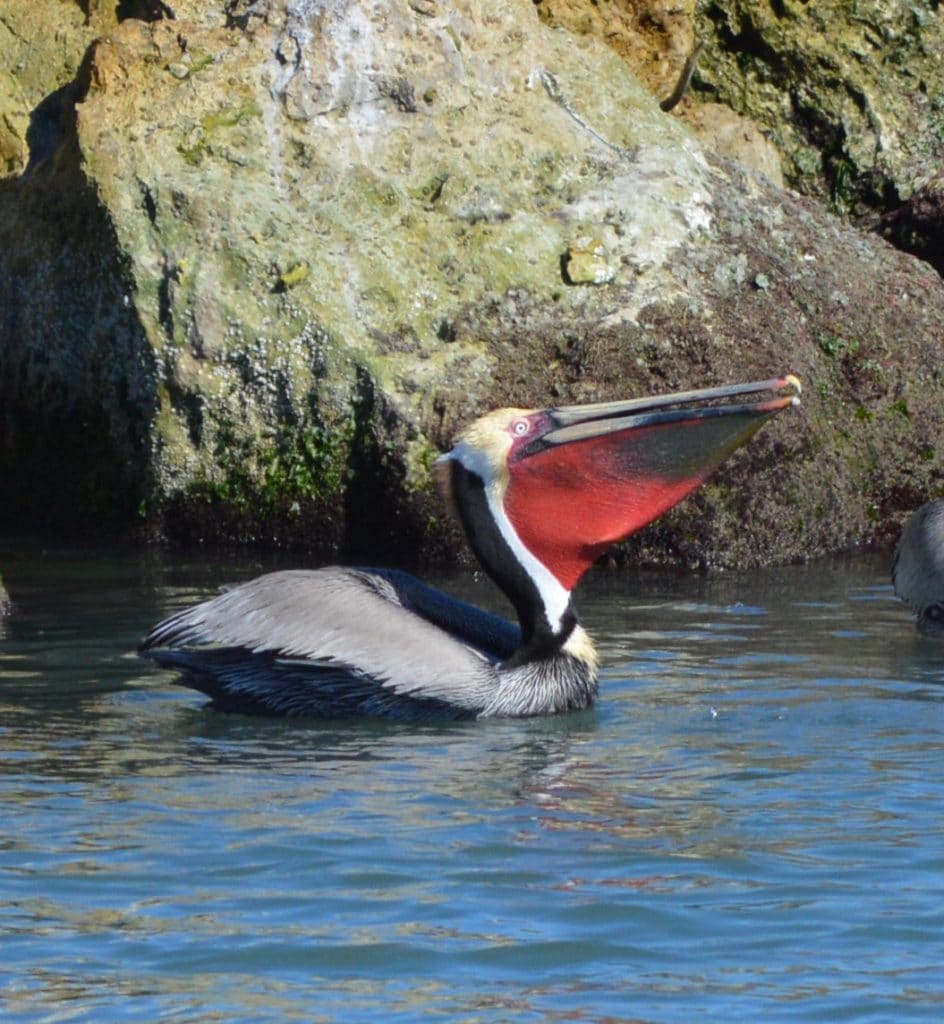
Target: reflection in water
[749, 819]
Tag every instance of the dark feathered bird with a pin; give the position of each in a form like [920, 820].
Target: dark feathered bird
[918, 567]
[541, 495]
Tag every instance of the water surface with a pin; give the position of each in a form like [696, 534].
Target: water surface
[749, 826]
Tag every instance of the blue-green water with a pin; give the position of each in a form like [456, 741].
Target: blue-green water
[750, 825]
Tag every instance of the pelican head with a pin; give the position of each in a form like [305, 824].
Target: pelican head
[542, 493]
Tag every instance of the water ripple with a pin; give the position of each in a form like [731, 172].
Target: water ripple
[748, 826]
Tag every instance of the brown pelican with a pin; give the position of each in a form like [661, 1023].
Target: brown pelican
[541, 495]
[918, 566]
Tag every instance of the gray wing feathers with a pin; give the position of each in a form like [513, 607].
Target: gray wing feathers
[327, 624]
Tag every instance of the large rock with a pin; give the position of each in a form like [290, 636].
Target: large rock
[272, 255]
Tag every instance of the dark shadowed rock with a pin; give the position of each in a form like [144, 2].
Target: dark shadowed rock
[917, 226]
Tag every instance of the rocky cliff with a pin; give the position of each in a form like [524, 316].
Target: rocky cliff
[259, 260]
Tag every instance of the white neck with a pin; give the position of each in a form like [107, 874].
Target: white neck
[555, 598]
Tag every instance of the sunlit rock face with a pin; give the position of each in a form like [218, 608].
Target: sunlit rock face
[312, 194]
[270, 255]
[840, 100]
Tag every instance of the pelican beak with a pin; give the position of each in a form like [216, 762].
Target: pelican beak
[600, 472]
[580, 422]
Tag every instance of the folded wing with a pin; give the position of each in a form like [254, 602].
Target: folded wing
[337, 641]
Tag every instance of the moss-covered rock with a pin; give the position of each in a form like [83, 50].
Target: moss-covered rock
[845, 101]
[851, 94]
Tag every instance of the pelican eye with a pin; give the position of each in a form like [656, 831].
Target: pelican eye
[520, 428]
[934, 613]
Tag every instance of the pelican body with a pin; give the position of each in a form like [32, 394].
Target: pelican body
[918, 567]
[541, 494]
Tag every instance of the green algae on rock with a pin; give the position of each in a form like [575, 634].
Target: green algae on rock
[853, 95]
